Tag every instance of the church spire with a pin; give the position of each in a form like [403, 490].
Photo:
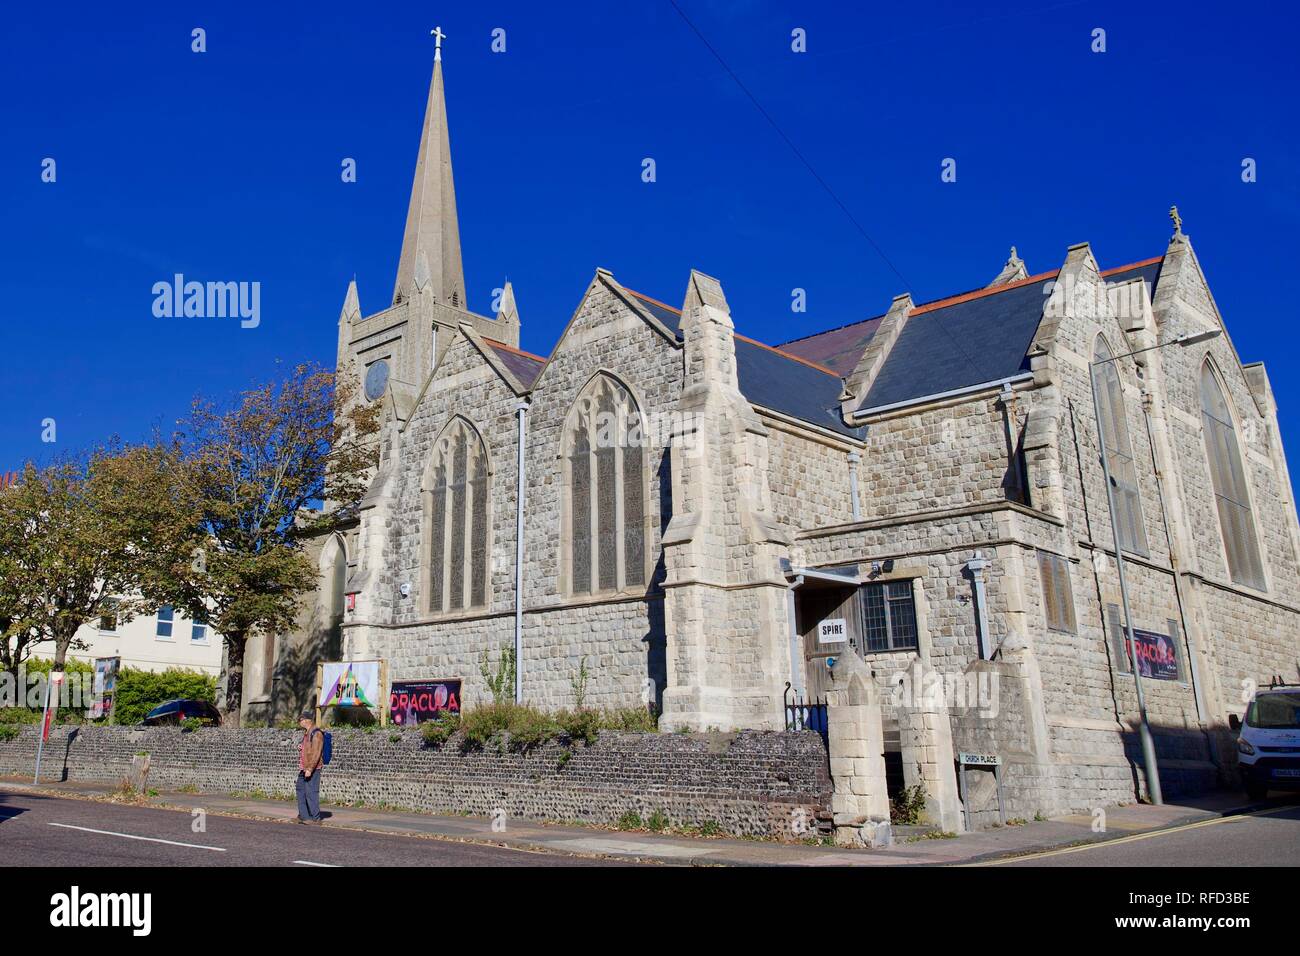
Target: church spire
[431, 225]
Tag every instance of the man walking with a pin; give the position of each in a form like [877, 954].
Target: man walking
[309, 769]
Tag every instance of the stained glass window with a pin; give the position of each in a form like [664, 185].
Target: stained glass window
[458, 521]
[606, 490]
[1236, 521]
[456, 560]
[633, 516]
[580, 464]
[478, 542]
[1119, 452]
[438, 533]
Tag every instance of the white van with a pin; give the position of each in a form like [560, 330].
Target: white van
[1268, 740]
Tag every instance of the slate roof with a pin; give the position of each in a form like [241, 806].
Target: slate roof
[774, 379]
[837, 349]
[951, 343]
[524, 366]
[976, 337]
[968, 341]
[1148, 271]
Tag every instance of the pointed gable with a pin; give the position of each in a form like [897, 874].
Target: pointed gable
[771, 377]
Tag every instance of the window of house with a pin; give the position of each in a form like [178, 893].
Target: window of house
[457, 509]
[198, 632]
[108, 620]
[605, 464]
[889, 616]
[1058, 596]
[1118, 449]
[166, 616]
[1231, 499]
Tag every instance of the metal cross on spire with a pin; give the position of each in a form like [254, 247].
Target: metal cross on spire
[438, 37]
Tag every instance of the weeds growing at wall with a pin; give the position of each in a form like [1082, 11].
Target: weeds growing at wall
[520, 727]
[908, 808]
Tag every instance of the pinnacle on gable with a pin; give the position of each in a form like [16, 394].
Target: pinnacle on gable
[1012, 271]
[1080, 254]
[703, 289]
[1179, 237]
[509, 311]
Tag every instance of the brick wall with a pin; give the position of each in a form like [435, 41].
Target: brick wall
[751, 783]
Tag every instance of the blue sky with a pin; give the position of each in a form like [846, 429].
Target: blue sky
[226, 166]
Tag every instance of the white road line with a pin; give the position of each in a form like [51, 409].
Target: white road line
[310, 863]
[132, 836]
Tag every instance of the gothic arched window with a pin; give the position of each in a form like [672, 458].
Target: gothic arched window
[605, 484]
[1119, 452]
[1236, 521]
[456, 506]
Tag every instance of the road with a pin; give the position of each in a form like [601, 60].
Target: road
[38, 830]
[1269, 837]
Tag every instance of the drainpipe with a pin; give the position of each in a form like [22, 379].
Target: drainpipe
[796, 661]
[521, 409]
[977, 566]
[854, 458]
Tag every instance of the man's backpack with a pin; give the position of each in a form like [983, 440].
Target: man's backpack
[327, 751]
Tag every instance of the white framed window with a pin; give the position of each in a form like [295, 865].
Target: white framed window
[198, 632]
[108, 620]
[166, 620]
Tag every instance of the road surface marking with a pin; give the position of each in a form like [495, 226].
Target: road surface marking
[310, 863]
[132, 836]
[1131, 839]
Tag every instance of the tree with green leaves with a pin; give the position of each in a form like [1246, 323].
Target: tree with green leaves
[18, 560]
[67, 553]
[251, 483]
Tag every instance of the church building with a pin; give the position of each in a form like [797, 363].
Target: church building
[713, 526]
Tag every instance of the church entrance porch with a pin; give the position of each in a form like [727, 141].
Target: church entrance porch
[853, 637]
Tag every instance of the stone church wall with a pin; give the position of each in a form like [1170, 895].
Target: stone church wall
[935, 458]
[620, 636]
[750, 783]
[809, 478]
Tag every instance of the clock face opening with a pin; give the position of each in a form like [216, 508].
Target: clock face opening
[376, 380]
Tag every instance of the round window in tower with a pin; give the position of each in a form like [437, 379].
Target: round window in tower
[376, 380]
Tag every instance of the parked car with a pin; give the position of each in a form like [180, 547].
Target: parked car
[176, 711]
[1268, 741]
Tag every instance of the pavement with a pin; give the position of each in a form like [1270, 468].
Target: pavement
[535, 843]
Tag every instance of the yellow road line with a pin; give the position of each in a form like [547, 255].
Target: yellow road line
[1131, 839]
